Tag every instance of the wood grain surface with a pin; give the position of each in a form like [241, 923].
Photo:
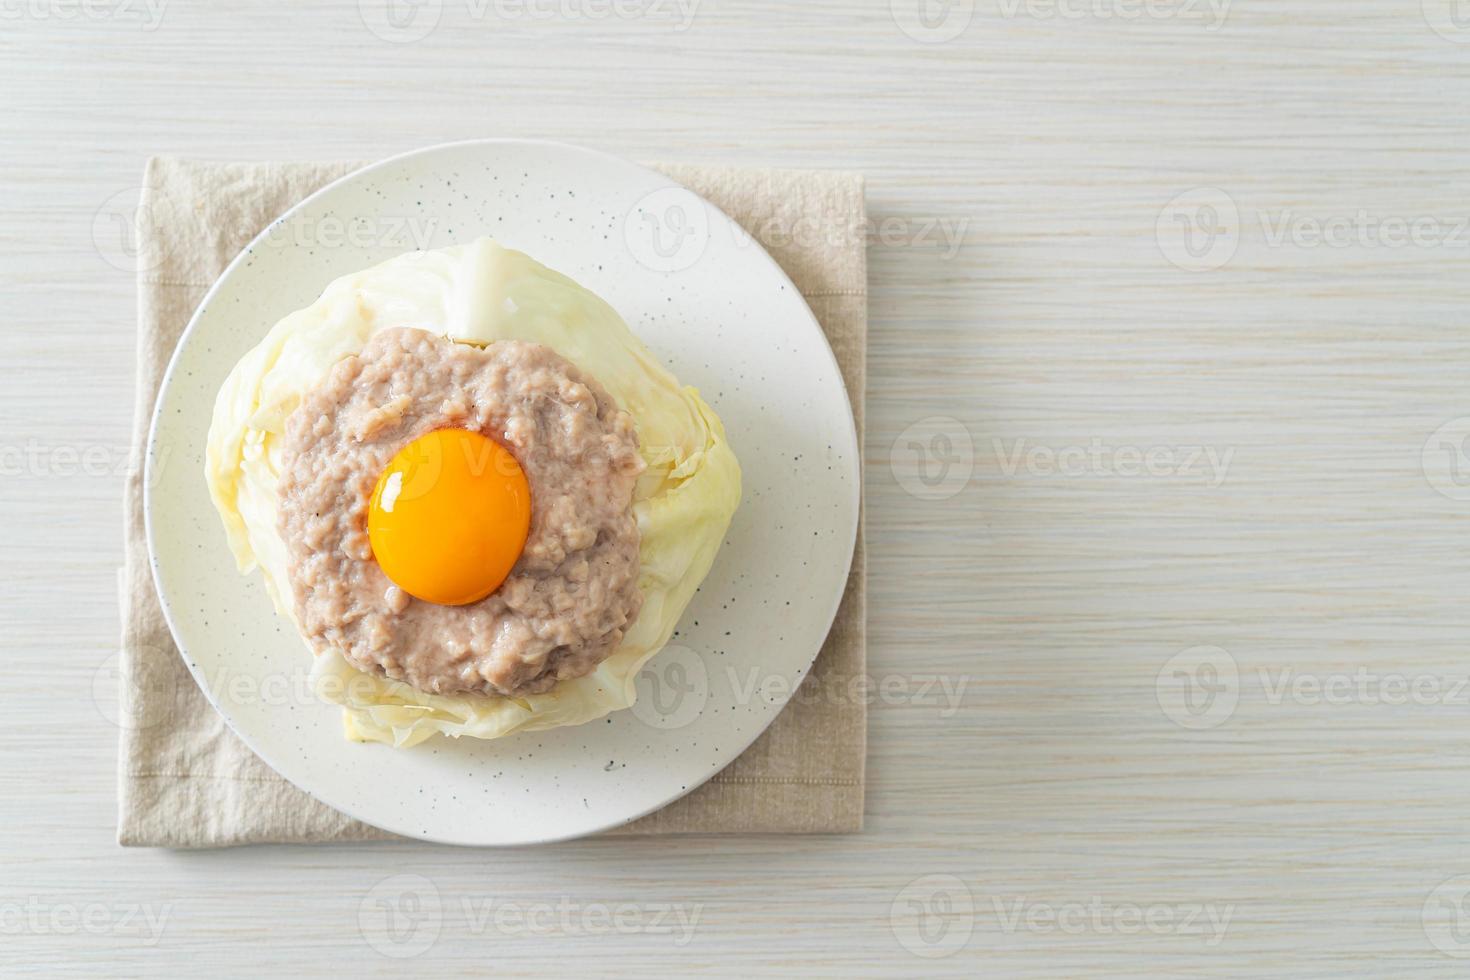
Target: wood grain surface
[1167, 460]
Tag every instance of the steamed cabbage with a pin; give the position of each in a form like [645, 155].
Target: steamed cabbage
[479, 293]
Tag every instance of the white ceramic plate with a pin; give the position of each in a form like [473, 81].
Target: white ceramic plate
[718, 311]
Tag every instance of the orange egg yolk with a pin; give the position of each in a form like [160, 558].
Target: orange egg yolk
[449, 516]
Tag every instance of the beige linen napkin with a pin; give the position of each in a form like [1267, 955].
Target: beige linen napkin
[187, 781]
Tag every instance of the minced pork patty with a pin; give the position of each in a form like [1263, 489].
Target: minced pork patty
[574, 592]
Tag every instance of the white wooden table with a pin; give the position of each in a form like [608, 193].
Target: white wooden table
[1168, 311]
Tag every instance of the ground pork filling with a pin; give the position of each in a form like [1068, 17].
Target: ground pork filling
[574, 592]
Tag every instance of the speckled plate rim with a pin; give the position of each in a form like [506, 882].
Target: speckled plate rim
[152, 460]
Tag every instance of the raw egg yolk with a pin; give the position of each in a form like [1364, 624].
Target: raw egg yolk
[449, 516]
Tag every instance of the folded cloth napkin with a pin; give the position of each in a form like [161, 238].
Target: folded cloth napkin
[186, 781]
